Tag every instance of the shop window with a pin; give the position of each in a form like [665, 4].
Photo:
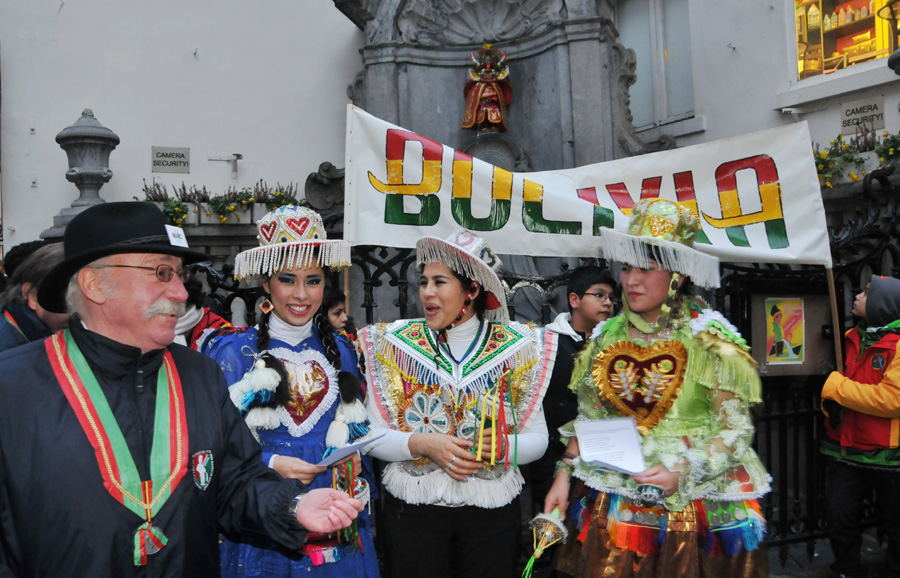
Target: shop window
[835, 34]
[659, 33]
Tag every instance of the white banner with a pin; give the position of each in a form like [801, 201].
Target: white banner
[757, 195]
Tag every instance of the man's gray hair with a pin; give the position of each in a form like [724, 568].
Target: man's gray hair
[74, 294]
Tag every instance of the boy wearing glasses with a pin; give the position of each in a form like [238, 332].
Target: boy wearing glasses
[590, 292]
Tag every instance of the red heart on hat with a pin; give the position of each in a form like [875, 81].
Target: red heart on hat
[298, 225]
[268, 231]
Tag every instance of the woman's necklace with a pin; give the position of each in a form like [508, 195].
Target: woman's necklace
[640, 330]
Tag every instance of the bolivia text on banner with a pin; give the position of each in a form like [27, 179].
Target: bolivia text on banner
[757, 195]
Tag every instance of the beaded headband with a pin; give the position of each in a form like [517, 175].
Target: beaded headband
[291, 236]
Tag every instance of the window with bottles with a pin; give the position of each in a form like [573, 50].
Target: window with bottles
[835, 34]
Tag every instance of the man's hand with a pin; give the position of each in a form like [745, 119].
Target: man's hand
[325, 510]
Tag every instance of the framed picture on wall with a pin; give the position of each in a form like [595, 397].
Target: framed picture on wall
[785, 329]
[788, 333]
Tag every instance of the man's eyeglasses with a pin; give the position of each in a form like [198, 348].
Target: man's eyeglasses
[600, 296]
[163, 272]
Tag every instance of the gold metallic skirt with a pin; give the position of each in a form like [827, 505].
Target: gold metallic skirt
[682, 553]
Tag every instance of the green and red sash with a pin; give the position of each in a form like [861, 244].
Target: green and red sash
[169, 452]
[11, 320]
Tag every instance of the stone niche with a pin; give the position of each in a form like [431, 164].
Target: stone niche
[570, 77]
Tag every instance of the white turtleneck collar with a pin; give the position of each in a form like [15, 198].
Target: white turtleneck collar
[461, 336]
[284, 331]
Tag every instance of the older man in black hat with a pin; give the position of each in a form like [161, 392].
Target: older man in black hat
[121, 455]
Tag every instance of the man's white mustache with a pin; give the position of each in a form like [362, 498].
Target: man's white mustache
[165, 308]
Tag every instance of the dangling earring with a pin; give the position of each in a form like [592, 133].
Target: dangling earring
[266, 306]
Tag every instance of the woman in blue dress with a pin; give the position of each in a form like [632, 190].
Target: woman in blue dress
[296, 382]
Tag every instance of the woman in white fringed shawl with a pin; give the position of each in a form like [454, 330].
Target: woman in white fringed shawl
[457, 396]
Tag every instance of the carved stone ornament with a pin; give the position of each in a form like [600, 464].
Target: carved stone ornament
[325, 188]
[461, 22]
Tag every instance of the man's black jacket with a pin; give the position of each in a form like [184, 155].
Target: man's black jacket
[57, 519]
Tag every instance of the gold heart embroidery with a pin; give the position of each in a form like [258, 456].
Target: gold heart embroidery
[640, 382]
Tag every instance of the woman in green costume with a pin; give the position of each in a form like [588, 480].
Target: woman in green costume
[684, 373]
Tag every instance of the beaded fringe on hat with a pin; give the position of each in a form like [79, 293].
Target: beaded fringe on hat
[270, 259]
[703, 269]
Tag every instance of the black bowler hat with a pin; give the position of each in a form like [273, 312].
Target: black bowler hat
[110, 229]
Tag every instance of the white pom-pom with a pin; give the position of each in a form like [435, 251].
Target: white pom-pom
[354, 412]
[257, 379]
[262, 418]
[338, 434]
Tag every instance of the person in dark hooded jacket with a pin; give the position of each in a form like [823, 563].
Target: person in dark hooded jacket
[24, 320]
[863, 428]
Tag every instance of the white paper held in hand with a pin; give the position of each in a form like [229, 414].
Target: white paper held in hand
[346, 451]
[612, 443]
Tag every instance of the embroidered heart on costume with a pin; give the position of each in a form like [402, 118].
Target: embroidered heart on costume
[641, 382]
[308, 383]
[298, 225]
[268, 231]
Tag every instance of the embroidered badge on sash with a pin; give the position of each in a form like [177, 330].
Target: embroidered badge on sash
[878, 362]
[202, 467]
[641, 382]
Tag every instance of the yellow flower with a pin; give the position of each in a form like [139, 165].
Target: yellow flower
[854, 177]
[231, 207]
[828, 184]
[886, 134]
[821, 167]
[881, 159]
[277, 193]
[207, 214]
[252, 200]
[243, 202]
[823, 155]
[891, 152]
[222, 218]
[177, 209]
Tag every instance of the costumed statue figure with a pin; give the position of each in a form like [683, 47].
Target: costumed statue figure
[685, 375]
[457, 396]
[296, 382]
[487, 91]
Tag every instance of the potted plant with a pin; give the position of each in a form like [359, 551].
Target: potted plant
[177, 211]
[839, 163]
[268, 198]
[888, 148]
[233, 207]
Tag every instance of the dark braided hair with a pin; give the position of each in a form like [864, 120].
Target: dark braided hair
[348, 384]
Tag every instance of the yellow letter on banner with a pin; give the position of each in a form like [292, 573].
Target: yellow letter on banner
[734, 219]
[431, 165]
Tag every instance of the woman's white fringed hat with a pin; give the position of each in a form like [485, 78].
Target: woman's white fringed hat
[471, 257]
[664, 231]
[294, 236]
